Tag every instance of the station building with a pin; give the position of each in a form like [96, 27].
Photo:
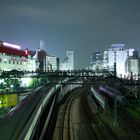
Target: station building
[13, 57]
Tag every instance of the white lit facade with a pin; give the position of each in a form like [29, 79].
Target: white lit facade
[51, 62]
[96, 62]
[33, 63]
[119, 57]
[8, 63]
[117, 53]
[68, 63]
[12, 57]
[132, 66]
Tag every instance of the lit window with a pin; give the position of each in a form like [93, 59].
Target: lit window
[5, 60]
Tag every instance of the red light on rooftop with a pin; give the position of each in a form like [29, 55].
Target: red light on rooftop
[26, 52]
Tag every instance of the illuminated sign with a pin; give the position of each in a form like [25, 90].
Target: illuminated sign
[20, 60]
[118, 45]
[26, 52]
[11, 45]
[7, 100]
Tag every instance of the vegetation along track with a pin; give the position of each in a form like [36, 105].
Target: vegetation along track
[135, 124]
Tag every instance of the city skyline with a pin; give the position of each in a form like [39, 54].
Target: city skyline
[78, 25]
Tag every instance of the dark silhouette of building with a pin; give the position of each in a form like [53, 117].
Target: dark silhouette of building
[95, 56]
[41, 55]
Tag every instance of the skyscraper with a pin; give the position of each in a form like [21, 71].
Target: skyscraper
[118, 54]
[95, 56]
[70, 58]
[68, 62]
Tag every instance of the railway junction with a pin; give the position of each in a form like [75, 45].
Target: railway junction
[75, 105]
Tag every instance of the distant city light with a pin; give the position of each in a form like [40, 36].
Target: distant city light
[25, 82]
[1, 81]
[11, 86]
[11, 45]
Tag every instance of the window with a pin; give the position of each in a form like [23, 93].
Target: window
[9, 61]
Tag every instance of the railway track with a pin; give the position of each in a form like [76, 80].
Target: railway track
[91, 120]
[65, 132]
[78, 119]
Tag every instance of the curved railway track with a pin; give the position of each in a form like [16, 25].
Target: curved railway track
[92, 122]
[65, 130]
[78, 119]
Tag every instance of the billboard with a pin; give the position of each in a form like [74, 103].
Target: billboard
[8, 100]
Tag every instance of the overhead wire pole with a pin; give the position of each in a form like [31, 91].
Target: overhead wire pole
[115, 65]
[115, 100]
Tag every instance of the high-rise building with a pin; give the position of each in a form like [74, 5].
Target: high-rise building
[70, 58]
[133, 65]
[135, 54]
[96, 56]
[33, 61]
[117, 54]
[96, 61]
[41, 56]
[68, 62]
[51, 62]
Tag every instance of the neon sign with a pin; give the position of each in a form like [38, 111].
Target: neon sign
[11, 45]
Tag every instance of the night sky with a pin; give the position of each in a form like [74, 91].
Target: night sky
[78, 25]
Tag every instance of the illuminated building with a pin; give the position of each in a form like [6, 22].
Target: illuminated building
[12, 57]
[117, 54]
[96, 56]
[96, 61]
[51, 62]
[33, 64]
[68, 62]
[133, 65]
[70, 58]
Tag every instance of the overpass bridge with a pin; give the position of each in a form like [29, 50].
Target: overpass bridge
[69, 73]
[56, 76]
